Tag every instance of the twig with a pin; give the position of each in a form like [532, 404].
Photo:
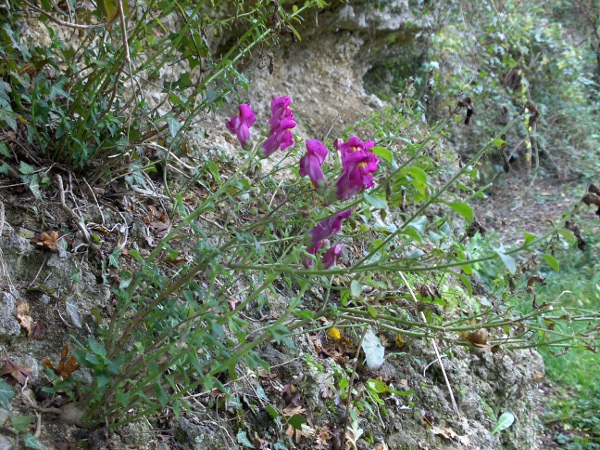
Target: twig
[435, 347]
[75, 217]
[39, 270]
[69, 24]
[1, 217]
[430, 364]
[349, 394]
[95, 199]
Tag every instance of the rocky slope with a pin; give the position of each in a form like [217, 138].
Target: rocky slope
[323, 75]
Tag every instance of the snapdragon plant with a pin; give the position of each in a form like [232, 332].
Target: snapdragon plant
[327, 222]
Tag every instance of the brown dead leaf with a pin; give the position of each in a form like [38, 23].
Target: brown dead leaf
[262, 373]
[294, 434]
[291, 410]
[159, 223]
[536, 279]
[591, 199]
[479, 337]
[19, 373]
[290, 395]
[34, 329]
[448, 433]
[49, 240]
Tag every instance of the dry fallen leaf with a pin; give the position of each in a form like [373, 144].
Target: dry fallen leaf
[479, 337]
[19, 373]
[51, 240]
[450, 434]
[34, 329]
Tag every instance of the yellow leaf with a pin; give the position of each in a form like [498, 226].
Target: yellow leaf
[108, 8]
[399, 341]
[334, 333]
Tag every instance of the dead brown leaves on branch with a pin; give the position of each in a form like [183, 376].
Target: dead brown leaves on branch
[66, 365]
[592, 197]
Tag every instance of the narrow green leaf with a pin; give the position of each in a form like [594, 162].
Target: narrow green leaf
[383, 153]
[355, 288]
[272, 411]
[415, 173]
[372, 311]
[463, 209]
[466, 282]
[504, 421]
[161, 395]
[375, 201]
[214, 171]
[4, 151]
[508, 260]
[377, 385]
[569, 235]
[552, 262]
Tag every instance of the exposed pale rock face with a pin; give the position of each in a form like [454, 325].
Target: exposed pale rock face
[323, 74]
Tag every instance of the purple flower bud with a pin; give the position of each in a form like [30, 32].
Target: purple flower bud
[280, 137]
[281, 122]
[330, 258]
[311, 163]
[240, 124]
[327, 228]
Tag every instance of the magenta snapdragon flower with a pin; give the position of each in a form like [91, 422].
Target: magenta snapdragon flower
[280, 110]
[310, 164]
[358, 166]
[281, 122]
[331, 256]
[240, 124]
[327, 228]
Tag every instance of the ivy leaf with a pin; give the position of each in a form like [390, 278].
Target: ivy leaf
[6, 393]
[242, 438]
[73, 311]
[174, 125]
[31, 441]
[374, 350]
[297, 421]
